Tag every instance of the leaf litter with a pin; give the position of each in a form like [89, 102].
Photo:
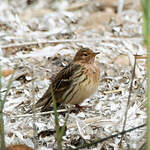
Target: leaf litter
[50, 33]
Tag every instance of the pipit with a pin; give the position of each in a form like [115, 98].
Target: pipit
[73, 84]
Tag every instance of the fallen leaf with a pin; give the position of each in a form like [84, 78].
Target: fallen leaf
[7, 72]
[122, 60]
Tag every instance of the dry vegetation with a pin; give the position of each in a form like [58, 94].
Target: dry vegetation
[38, 38]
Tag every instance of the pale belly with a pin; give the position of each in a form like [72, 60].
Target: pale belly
[83, 89]
[86, 90]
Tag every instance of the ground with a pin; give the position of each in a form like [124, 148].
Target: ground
[39, 38]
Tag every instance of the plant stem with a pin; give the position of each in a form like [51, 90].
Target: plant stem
[2, 138]
[57, 126]
[146, 33]
[148, 96]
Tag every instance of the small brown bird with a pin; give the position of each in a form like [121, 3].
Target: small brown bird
[18, 147]
[73, 84]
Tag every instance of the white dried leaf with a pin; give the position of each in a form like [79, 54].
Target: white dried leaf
[19, 134]
[98, 106]
[81, 115]
[46, 52]
[28, 78]
[42, 84]
[27, 93]
[16, 84]
[84, 129]
[132, 58]
[1, 52]
[12, 103]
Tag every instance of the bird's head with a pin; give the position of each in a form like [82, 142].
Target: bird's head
[85, 55]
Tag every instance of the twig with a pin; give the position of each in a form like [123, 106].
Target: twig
[36, 115]
[112, 91]
[107, 138]
[128, 102]
[67, 41]
[140, 56]
[94, 120]
[120, 6]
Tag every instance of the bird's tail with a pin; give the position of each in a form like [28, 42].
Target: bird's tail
[43, 104]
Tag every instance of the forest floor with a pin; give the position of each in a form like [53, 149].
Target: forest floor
[38, 38]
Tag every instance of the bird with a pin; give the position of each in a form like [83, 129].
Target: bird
[74, 83]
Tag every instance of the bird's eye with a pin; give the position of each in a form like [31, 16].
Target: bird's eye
[85, 54]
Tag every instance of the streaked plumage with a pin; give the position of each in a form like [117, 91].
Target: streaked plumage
[73, 84]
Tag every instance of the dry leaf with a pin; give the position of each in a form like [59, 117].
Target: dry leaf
[122, 60]
[140, 56]
[7, 72]
[101, 20]
[18, 147]
[84, 129]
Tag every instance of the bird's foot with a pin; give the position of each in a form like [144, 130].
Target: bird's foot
[83, 107]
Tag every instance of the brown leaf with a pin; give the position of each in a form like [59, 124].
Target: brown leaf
[7, 72]
[18, 147]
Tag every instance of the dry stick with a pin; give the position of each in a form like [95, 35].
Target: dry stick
[30, 115]
[107, 138]
[35, 140]
[120, 6]
[93, 121]
[67, 41]
[128, 102]
[140, 56]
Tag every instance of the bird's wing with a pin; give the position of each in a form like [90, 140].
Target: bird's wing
[65, 77]
[59, 84]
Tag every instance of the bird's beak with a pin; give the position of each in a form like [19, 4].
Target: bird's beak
[96, 53]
